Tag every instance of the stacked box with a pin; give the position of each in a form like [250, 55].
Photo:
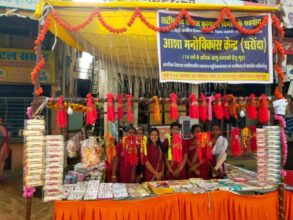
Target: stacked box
[261, 155]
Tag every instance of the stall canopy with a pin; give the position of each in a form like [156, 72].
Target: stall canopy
[137, 47]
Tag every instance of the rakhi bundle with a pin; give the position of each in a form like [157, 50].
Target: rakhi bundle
[34, 152]
[54, 168]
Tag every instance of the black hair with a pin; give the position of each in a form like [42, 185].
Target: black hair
[140, 128]
[193, 127]
[175, 124]
[159, 143]
[130, 128]
[215, 125]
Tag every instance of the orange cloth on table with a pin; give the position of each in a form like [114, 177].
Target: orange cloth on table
[288, 204]
[223, 205]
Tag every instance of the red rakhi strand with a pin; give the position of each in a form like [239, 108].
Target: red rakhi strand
[280, 73]
[77, 27]
[277, 24]
[183, 13]
[279, 48]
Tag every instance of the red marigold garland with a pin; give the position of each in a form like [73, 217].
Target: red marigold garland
[280, 73]
[226, 11]
[278, 26]
[42, 34]
[37, 69]
[278, 93]
[279, 48]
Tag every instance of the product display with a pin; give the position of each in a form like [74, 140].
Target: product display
[90, 152]
[54, 167]
[34, 152]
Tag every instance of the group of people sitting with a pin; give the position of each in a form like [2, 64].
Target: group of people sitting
[168, 160]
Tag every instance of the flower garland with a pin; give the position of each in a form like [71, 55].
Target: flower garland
[277, 24]
[280, 73]
[278, 94]
[37, 69]
[282, 122]
[28, 191]
[231, 17]
[279, 48]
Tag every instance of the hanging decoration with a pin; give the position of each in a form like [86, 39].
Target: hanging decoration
[156, 109]
[218, 107]
[235, 142]
[203, 108]
[204, 139]
[110, 147]
[61, 113]
[193, 107]
[129, 109]
[231, 17]
[253, 145]
[37, 69]
[241, 107]
[282, 122]
[110, 107]
[176, 148]
[142, 144]
[280, 73]
[233, 107]
[91, 113]
[173, 107]
[120, 106]
[244, 140]
[210, 113]
[251, 108]
[277, 24]
[226, 108]
[278, 94]
[263, 111]
[279, 49]
[130, 149]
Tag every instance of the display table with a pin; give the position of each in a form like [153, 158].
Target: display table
[213, 205]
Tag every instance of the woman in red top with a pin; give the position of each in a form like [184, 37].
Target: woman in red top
[123, 171]
[154, 162]
[174, 169]
[195, 167]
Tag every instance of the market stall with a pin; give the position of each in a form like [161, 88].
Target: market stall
[187, 43]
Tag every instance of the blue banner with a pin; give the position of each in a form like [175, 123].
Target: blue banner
[222, 56]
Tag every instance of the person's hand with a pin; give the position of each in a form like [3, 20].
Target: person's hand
[176, 173]
[158, 175]
[138, 178]
[114, 179]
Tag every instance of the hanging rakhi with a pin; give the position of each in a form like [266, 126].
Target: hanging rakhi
[253, 145]
[176, 148]
[242, 108]
[226, 107]
[235, 142]
[156, 110]
[193, 107]
[130, 149]
[233, 107]
[110, 107]
[210, 113]
[218, 107]
[142, 143]
[110, 147]
[173, 108]
[120, 106]
[91, 112]
[129, 109]
[61, 113]
[203, 108]
[244, 140]
[263, 111]
[251, 108]
[204, 139]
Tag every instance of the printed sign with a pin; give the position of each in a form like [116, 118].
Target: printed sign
[223, 56]
[19, 4]
[16, 66]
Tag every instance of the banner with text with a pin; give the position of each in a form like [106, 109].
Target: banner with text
[16, 66]
[223, 56]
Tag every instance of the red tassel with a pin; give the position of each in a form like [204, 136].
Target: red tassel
[253, 145]
[218, 107]
[176, 148]
[173, 108]
[61, 113]
[110, 107]
[193, 108]
[226, 108]
[263, 111]
[129, 109]
[235, 142]
[251, 108]
[91, 112]
[203, 108]
[120, 106]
